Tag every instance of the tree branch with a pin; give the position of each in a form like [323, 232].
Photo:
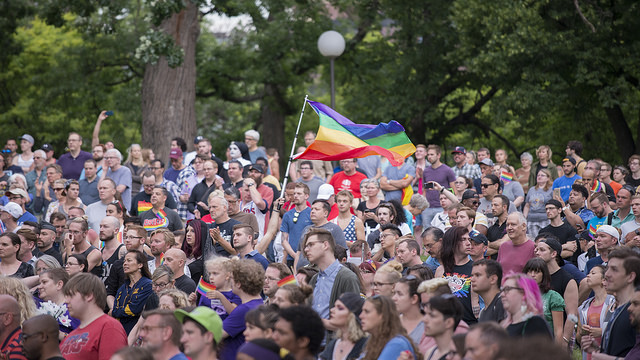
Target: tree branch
[584, 19]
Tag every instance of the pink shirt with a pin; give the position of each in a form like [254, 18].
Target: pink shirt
[513, 258]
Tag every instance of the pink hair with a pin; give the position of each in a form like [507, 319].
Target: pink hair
[532, 297]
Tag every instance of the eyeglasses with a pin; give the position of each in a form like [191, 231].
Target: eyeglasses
[506, 289]
[311, 243]
[384, 236]
[154, 168]
[58, 189]
[70, 264]
[128, 237]
[305, 168]
[159, 285]
[484, 186]
[15, 197]
[475, 202]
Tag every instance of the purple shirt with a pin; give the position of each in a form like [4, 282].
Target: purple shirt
[72, 167]
[444, 176]
[234, 325]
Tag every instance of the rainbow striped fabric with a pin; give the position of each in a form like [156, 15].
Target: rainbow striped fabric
[597, 186]
[144, 206]
[204, 287]
[160, 221]
[288, 280]
[506, 177]
[407, 193]
[339, 138]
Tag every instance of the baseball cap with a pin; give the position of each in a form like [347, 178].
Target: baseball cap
[204, 316]
[459, 150]
[47, 147]
[197, 139]
[470, 194]
[257, 167]
[609, 230]
[18, 191]
[569, 159]
[47, 226]
[479, 238]
[325, 191]
[175, 153]
[554, 245]
[13, 209]
[28, 137]
[486, 161]
[555, 203]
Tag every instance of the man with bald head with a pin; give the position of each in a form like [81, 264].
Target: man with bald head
[175, 260]
[40, 338]
[113, 249]
[514, 253]
[10, 332]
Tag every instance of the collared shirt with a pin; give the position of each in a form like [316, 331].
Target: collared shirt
[616, 221]
[468, 171]
[257, 257]
[322, 291]
[185, 188]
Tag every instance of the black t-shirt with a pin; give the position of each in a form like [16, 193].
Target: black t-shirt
[493, 311]
[226, 231]
[535, 325]
[185, 284]
[108, 264]
[559, 281]
[369, 222]
[564, 233]
[197, 269]
[460, 284]
[55, 253]
[496, 232]
[631, 181]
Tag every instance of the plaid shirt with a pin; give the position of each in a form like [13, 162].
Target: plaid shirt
[468, 171]
[184, 188]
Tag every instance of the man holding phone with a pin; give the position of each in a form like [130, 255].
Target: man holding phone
[440, 173]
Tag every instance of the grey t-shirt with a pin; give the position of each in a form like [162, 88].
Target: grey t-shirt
[512, 190]
[122, 176]
[95, 213]
[313, 184]
[334, 229]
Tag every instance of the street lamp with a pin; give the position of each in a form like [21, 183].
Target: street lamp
[331, 45]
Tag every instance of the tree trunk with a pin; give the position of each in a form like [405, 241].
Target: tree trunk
[169, 94]
[272, 119]
[624, 139]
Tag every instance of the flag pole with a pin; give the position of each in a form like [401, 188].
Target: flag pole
[293, 146]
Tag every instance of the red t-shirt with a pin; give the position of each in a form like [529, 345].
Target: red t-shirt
[97, 341]
[341, 181]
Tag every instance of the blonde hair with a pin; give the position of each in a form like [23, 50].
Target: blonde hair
[433, 285]
[180, 298]
[215, 194]
[19, 291]
[393, 270]
[354, 330]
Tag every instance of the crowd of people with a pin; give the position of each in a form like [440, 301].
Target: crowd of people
[200, 256]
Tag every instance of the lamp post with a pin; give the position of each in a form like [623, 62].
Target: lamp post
[331, 45]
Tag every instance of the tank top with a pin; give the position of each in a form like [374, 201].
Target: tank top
[24, 163]
[350, 230]
[97, 270]
[107, 264]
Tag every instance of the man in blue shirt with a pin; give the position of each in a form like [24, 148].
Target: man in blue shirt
[294, 221]
[564, 182]
[243, 236]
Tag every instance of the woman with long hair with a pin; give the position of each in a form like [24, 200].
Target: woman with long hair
[194, 239]
[522, 301]
[366, 210]
[552, 302]
[19, 291]
[543, 153]
[10, 265]
[460, 185]
[133, 294]
[70, 197]
[290, 295]
[407, 300]
[534, 203]
[593, 312]
[388, 338]
[135, 162]
[58, 187]
[349, 338]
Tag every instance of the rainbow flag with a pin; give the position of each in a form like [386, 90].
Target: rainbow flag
[144, 206]
[506, 176]
[160, 221]
[597, 186]
[204, 287]
[407, 193]
[161, 259]
[340, 138]
[288, 280]
[592, 230]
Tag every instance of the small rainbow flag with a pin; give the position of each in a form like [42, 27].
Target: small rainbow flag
[161, 258]
[593, 230]
[597, 186]
[160, 221]
[407, 192]
[204, 287]
[288, 280]
[506, 176]
[144, 206]
[340, 138]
